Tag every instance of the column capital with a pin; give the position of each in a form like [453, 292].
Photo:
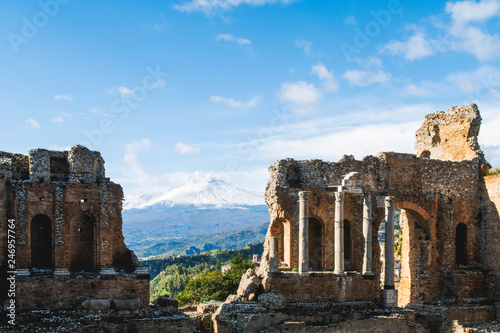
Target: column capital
[303, 195]
[389, 201]
[339, 196]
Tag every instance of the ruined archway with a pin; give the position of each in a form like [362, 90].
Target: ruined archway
[281, 230]
[316, 241]
[416, 253]
[82, 243]
[41, 242]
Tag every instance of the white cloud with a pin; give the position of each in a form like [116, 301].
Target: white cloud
[411, 89]
[465, 32]
[232, 102]
[183, 148]
[463, 12]
[326, 77]
[132, 150]
[60, 148]
[365, 78]
[61, 118]
[63, 97]
[415, 47]
[231, 38]
[373, 62]
[58, 120]
[100, 113]
[124, 91]
[472, 40]
[159, 84]
[32, 123]
[359, 141]
[210, 7]
[305, 45]
[479, 86]
[301, 97]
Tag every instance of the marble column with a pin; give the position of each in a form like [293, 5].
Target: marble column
[367, 234]
[273, 255]
[389, 243]
[339, 232]
[303, 233]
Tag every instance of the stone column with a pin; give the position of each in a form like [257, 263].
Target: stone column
[273, 255]
[303, 233]
[367, 234]
[389, 243]
[339, 232]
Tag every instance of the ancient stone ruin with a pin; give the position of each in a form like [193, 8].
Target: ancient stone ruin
[69, 248]
[321, 270]
[322, 243]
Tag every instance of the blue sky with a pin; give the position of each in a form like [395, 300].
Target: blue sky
[170, 90]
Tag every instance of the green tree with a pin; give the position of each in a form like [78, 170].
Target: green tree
[213, 286]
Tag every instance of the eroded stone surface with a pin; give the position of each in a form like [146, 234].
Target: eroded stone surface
[68, 231]
[450, 135]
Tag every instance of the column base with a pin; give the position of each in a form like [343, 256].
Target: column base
[61, 274]
[141, 273]
[107, 274]
[368, 276]
[389, 298]
[23, 275]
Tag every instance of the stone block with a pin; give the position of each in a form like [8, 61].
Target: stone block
[389, 298]
[168, 302]
[126, 304]
[97, 304]
[272, 301]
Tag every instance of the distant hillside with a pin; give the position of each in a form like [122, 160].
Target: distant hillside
[202, 215]
[197, 244]
[156, 265]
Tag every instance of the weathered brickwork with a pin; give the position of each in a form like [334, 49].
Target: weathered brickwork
[436, 196]
[448, 213]
[450, 135]
[68, 222]
[322, 287]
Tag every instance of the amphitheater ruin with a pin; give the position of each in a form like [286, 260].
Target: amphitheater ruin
[321, 269]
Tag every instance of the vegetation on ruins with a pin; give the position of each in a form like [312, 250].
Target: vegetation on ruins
[172, 274]
[215, 286]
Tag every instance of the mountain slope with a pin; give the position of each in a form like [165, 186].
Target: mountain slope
[160, 223]
[199, 192]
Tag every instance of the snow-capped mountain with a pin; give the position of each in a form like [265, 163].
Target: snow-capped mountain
[168, 220]
[199, 192]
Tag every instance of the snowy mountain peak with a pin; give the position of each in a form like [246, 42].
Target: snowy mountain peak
[199, 192]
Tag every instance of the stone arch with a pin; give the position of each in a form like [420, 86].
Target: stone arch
[82, 243]
[461, 245]
[41, 242]
[416, 253]
[425, 154]
[316, 232]
[281, 229]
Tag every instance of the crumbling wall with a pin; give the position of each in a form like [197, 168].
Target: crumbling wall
[490, 208]
[313, 317]
[69, 192]
[450, 135]
[440, 197]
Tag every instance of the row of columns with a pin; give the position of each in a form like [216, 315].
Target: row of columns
[303, 266]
